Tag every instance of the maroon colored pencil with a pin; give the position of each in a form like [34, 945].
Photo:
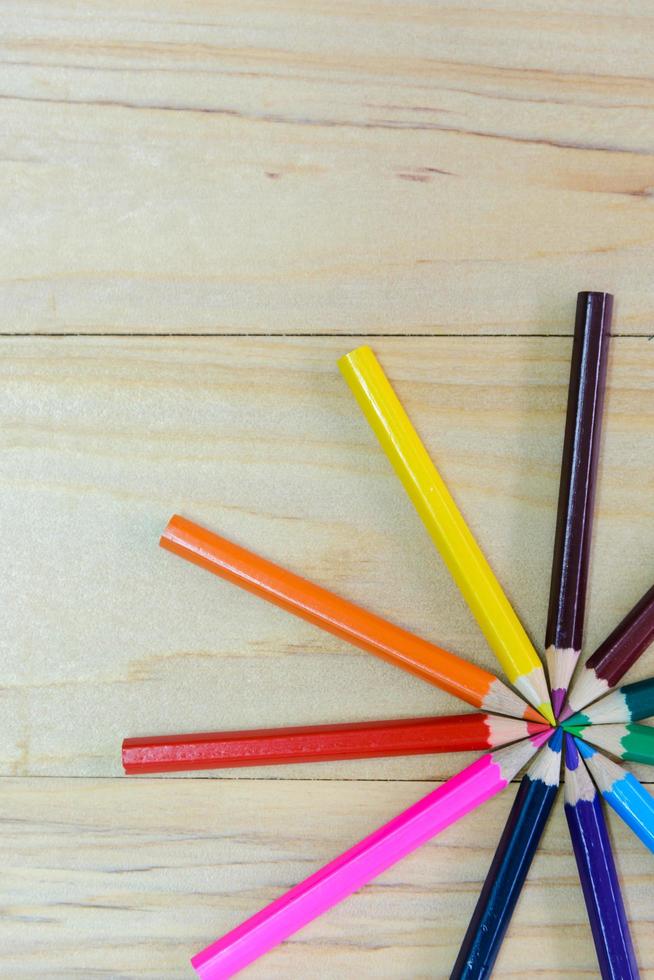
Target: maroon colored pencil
[322, 743]
[565, 621]
[614, 656]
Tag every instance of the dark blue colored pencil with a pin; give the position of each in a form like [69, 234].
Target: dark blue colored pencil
[597, 873]
[511, 863]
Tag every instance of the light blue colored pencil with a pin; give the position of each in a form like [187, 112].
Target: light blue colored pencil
[622, 791]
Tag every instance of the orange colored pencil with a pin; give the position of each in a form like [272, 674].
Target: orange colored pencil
[336, 615]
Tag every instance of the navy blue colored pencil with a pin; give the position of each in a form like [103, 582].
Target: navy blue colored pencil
[511, 863]
[597, 873]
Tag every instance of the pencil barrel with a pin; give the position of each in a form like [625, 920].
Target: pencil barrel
[303, 744]
[601, 890]
[581, 444]
[329, 611]
[506, 876]
[628, 641]
[350, 871]
[578, 470]
[446, 526]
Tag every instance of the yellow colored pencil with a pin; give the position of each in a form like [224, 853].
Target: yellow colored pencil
[447, 528]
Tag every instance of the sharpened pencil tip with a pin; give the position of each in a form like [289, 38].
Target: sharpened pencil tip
[530, 714]
[558, 698]
[542, 737]
[556, 740]
[586, 750]
[571, 754]
[546, 711]
[565, 713]
[535, 728]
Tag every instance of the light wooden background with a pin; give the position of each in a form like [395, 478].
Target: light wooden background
[203, 206]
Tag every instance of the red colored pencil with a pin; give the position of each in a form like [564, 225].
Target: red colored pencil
[322, 743]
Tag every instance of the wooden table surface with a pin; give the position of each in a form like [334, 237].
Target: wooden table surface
[203, 206]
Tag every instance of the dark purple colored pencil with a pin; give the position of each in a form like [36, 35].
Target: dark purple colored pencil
[565, 621]
[614, 656]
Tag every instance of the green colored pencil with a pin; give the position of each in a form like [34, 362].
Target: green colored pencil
[632, 742]
[631, 702]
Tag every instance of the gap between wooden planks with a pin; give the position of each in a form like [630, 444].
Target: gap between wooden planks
[126, 879]
[108, 635]
[260, 439]
[299, 166]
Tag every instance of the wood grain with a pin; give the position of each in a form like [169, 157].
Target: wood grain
[273, 168]
[303, 167]
[107, 636]
[127, 879]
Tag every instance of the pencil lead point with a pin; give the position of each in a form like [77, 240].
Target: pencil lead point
[546, 711]
[556, 740]
[558, 697]
[586, 750]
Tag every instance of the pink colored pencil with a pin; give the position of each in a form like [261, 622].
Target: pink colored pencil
[363, 862]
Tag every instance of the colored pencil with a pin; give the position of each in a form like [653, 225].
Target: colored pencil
[360, 864]
[622, 791]
[633, 743]
[511, 863]
[565, 620]
[597, 871]
[446, 526]
[322, 608]
[613, 658]
[631, 702]
[323, 743]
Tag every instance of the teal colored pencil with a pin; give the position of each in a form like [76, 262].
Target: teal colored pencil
[622, 791]
[634, 743]
[631, 702]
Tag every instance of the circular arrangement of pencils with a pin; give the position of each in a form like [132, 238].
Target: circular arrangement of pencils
[542, 713]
